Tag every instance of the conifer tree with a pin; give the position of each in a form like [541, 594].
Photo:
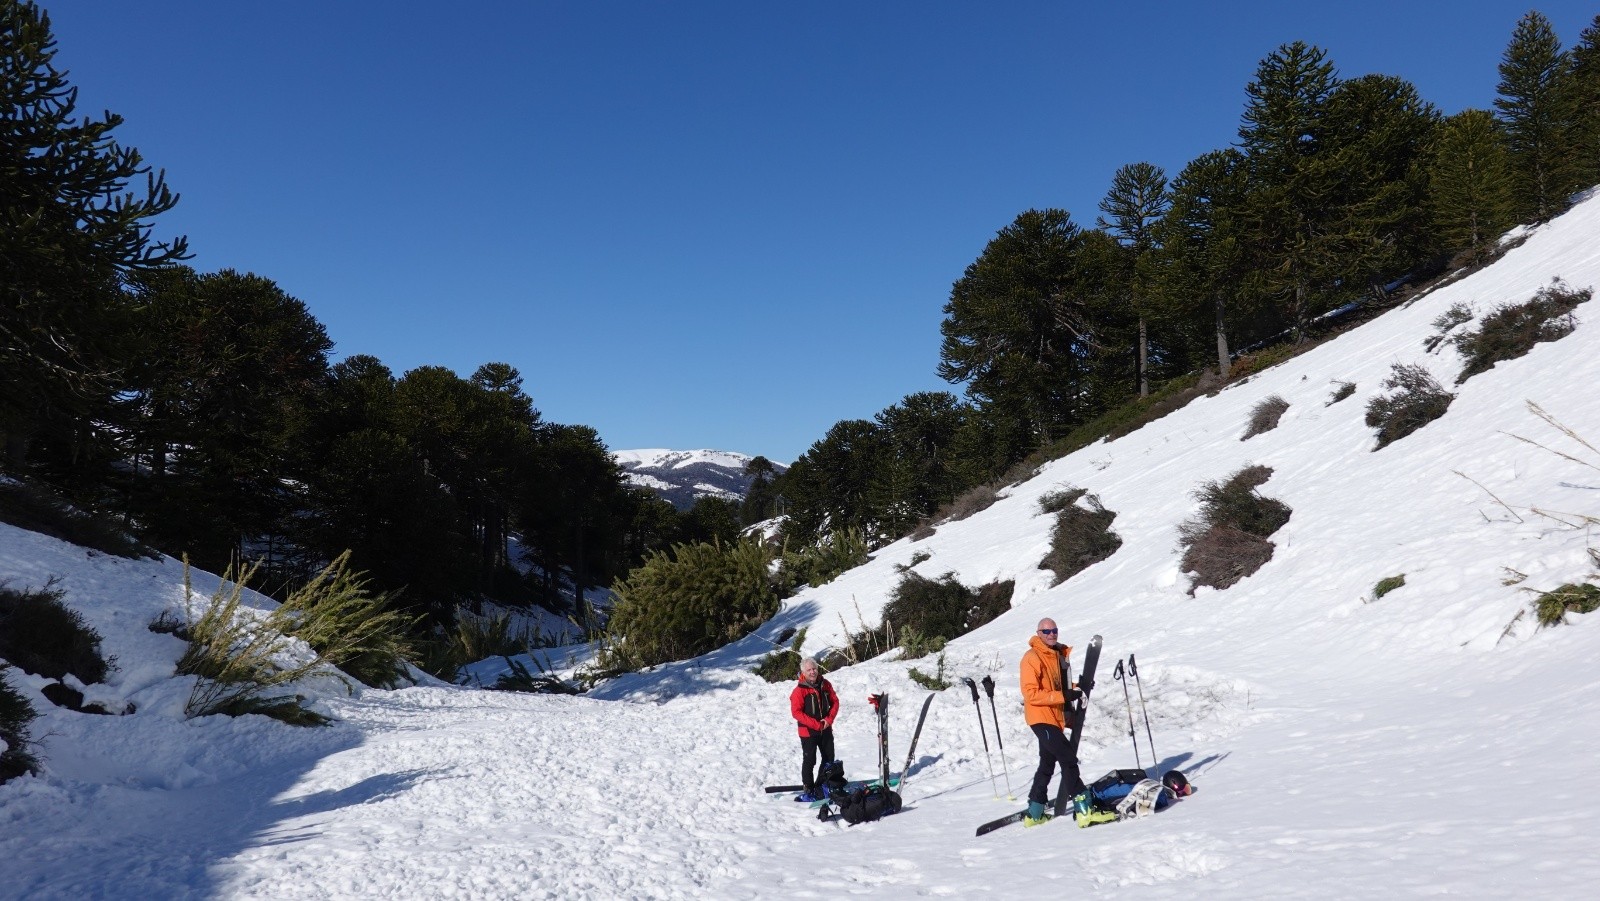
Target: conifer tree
[1585, 88]
[71, 231]
[1292, 177]
[1537, 108]
[1202, 255]
[1135, 204]
[1020, 328]
[1470, 193]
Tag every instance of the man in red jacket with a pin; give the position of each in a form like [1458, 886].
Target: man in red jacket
[814, 705]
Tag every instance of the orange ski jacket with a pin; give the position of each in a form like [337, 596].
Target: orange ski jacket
[1043, 701]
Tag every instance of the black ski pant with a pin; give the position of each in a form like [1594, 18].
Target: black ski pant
[1053, 750]
[810, 746]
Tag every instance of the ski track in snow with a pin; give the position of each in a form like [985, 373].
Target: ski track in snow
[1429, 742]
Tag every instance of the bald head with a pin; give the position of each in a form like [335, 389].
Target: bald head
[1048, 631]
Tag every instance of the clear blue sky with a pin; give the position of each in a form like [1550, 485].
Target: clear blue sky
[720, 225]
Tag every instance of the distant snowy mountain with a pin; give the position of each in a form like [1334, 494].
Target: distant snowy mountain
[683, 477]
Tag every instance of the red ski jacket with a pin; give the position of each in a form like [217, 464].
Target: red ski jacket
[814, 706]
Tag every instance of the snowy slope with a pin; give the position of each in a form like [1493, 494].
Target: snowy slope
[1342, 746]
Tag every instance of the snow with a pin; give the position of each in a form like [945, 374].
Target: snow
[658, 458]
[1428, 742]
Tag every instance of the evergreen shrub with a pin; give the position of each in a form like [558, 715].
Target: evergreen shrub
[1385, 586]
[1227, 540]
[37, 509]
[16, 714]
[1082, 535]
[1264, 416]
[941, 609]
[1418, 399]
[349, 626]
[783, 664]
[1553, 606]
[934, 682]
[1449, 319]
[474, 638]
[1511, 331]
[42, 635]
[818, 564]
[687, 601]
[1341, 390]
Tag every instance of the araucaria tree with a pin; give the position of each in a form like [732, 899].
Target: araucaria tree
[71, 230]
[1469, 184]
[1132, 209]
[1020, 327]
[1335, 196]
[1537, 108]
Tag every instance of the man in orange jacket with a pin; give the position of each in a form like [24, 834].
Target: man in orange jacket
[1044, 700]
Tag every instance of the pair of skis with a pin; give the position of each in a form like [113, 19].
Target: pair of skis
[1077, 710]
[880, 704]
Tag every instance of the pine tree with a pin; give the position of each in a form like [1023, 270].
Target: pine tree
[70, 231]
[1537, 109]
[1470, 192]
[1135, 204]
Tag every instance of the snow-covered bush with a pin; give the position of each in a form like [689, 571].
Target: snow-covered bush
[1553, 606]
[15, 715]
[1264, 416]
[43, 636]
[1511, 331]
[684, 602]
[1082, 535]
[248, 661]
[1418, 399]
[1227, 540]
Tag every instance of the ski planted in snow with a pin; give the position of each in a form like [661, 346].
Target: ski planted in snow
[912, 752]
[880, 703]
[1078, 709]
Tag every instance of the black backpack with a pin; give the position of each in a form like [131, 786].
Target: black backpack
[830, 776]
[868, 803]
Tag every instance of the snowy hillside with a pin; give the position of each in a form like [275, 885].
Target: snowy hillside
[683, 477]
[1427, 742]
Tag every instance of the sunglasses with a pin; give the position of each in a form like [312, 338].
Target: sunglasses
[1048, 631]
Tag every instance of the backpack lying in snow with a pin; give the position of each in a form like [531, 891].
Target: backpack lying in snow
[1131, 793]
[865, 804]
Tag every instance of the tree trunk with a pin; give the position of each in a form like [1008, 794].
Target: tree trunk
[1144, 360]
[1222, 341]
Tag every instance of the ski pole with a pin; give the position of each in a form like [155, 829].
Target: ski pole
[984, 732]
[1118, 674]
[1133, 670]
[880, 704]
[1005, 766]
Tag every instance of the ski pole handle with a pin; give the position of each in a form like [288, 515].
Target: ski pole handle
[988, 686]
[973, 686]
[1117, 673]
[1133, 668]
